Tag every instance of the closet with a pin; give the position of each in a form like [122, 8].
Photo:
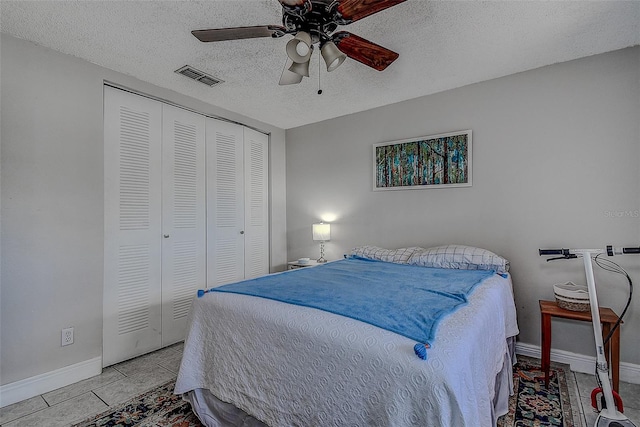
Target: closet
[237, 204]
[183, 206]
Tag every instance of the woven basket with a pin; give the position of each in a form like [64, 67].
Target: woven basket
[572, 297]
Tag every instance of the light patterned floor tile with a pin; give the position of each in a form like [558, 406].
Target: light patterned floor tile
[131, 386]
[574, 395]
[630, 395]
[586, 383]
[22, 408]
[179, 347]
[628, 392]
[146, 363]
[109, 375]
[633, 414]
[62, 414]
[171, 362]
[161, 356]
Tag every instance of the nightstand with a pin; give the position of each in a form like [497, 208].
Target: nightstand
[608, 318]
[292, 265]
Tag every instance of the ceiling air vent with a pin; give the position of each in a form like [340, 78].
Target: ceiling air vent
[198, 75]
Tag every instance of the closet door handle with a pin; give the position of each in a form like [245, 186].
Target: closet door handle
[242, 232]
[166, 236]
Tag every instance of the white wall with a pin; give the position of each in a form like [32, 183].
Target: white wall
[555, 163]
[52, 204]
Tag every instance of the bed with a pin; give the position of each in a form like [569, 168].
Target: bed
[256, 360]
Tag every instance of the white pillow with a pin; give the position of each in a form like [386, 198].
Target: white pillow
[460, 257]
[398, 256]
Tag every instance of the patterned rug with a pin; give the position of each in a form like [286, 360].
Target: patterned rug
[531, 405]
[156, 408]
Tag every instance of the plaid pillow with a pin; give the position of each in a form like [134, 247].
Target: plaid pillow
[398, 256]
[460, 257]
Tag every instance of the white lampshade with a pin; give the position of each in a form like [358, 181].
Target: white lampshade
[322, 232]
[289, 77]
[300, 68]
[333, 57]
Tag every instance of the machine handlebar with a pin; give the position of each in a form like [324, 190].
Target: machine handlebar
[553, 252]
[573, 253]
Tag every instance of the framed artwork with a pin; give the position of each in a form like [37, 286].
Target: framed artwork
[436, 161]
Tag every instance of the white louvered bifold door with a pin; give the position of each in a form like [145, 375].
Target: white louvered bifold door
[183, 218]
[132, 188]
[225, 202]
[256, 205]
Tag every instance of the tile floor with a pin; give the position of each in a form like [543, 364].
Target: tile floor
[76, 402]
[126, 380]
[630, 394]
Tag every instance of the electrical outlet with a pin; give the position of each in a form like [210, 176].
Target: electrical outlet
[67, 336]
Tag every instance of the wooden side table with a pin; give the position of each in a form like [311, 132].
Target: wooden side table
[608, 318]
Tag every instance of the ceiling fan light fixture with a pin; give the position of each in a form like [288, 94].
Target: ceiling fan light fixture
[333, 57]
[311, 23]
[300, 68]
[299, 47]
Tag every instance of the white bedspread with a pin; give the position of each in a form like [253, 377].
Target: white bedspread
[295, 366]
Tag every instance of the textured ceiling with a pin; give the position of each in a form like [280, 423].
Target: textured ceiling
[442, 45]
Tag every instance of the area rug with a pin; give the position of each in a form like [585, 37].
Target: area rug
[156, 408]
[531, 405]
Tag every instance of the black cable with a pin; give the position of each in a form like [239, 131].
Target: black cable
[611, 266]
[615, 268]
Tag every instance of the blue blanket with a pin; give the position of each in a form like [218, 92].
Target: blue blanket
[405, 299]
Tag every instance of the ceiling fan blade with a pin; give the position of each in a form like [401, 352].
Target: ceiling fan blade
[364, 51]
[353, 10]
[236, 33]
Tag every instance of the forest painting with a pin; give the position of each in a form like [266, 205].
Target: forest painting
[426, 162]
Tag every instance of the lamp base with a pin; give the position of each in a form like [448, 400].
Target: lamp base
[321, 259]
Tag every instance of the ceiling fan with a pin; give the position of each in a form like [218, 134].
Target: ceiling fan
[315, 22]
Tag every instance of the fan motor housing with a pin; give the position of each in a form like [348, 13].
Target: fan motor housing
[319, 21]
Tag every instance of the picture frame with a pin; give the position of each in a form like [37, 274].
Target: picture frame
[434, 161]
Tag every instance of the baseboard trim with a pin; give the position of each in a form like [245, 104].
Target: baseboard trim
[43, 383]
[629, 372]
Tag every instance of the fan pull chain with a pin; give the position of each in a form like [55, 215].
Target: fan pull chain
[319, 69]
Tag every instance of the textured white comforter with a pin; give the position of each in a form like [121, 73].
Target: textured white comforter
[295, 366]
